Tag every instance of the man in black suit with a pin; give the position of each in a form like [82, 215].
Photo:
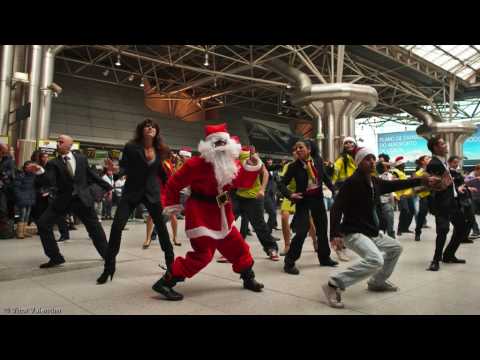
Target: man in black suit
[445, 207]
[71, 181]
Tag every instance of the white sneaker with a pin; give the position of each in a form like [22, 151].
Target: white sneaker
[333, 296]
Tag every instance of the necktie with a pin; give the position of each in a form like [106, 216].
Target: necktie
[69, 166]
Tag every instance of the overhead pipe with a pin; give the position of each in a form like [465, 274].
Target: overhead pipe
[5, 86]
[334, 106]
[30, 130]
[45, 111]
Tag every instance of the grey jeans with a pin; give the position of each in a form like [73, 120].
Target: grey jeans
[379, 257]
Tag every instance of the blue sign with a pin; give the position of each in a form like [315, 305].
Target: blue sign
[411, 146]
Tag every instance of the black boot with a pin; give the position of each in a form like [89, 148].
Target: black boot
[249, 281]
[165, 286]
[108, 270]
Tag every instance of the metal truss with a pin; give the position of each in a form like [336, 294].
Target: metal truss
[219, 76]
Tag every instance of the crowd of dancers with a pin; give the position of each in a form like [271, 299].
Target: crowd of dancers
[227, 180]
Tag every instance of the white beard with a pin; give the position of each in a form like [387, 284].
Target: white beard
[223, 159]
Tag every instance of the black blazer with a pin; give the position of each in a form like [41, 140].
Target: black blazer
[297, 171]
[441, 202]
[63, 185]
[141, 177]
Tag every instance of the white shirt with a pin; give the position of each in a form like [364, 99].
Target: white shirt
[118, 186]
[71, 160]
[108, 180]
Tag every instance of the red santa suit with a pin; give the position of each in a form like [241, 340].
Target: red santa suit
[209, 226]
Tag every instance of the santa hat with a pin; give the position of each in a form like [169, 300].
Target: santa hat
[217, 132]
[235, 138]
[349, 138]
[185, 153]
[361, 154]
[399, 160]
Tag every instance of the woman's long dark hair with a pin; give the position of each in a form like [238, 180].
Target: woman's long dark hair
[157, 141]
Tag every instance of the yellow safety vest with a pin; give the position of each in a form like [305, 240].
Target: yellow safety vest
[422, 194]
[250, 193]
[342, 173]
[407, 192]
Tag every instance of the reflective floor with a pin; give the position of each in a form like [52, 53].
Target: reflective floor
[71, 288]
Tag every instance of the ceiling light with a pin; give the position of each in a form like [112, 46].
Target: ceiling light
[118, 63]
[206, 59]
[106, 72]
[289, 86]
[141, 82]
[280, 112]
[131, 77]
[284, 101]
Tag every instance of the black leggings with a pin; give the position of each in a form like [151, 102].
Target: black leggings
[124, 210]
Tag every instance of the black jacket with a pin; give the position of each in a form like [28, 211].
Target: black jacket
[356, 202]
[297, 171]
[141, 177]
[63, 185]
[24, 188]
[441, 202]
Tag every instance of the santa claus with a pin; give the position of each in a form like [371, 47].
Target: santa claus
[209, 219]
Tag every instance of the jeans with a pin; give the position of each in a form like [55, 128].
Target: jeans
[387, 219]
[475, 210]
[25, 213]
[107, 208]
[379, 257]
[328, 203]
[421, 215]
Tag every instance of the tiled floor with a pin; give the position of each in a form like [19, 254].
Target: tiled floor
[71, 288]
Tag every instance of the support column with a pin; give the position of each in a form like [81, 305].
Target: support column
[5, 86]
[34, 92]
[43, 128]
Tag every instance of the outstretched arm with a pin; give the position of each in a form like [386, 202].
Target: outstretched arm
[178, 181]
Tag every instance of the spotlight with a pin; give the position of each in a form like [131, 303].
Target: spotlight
[106, 72]
[289, 86]
[280, 112]
[141, 83]
[131, 77]
[118, 63]
[206, 60]
[284, 101]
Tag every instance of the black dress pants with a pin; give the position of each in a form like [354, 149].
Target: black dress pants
[40, 206]
[407, 211]
[87, 215]
[442, 222]
[124, 210]
[254, 210]
[315, 206]
[422, 214]
[270, 208]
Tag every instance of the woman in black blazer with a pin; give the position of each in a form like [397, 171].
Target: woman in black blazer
[309, 174]
[141, 162]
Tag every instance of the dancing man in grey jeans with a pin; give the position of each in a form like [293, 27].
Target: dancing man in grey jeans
[359, 229]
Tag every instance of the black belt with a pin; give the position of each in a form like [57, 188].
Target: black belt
[203, 197]
[220, 199]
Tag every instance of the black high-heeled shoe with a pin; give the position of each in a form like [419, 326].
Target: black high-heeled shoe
[104, 277]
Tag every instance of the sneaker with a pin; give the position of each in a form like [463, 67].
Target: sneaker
[273, 255]
[386, 286]
[333, 296]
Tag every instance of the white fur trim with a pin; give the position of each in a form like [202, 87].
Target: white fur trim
[185, 153]
[40, 171]
[362, 154]
[204, 231]
[172, 209]
[218, 136]
[252, 167]
[349, 138]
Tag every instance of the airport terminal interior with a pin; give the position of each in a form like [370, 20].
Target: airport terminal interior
[351, 103]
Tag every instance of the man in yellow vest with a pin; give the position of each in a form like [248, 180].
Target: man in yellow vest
[344, 166]
[250, 201]
[406, 204]
[423, 195]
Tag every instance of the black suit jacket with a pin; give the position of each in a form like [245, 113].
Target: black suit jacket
[297, 171]
[141, 177]
[64, 186]
[441, 202]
